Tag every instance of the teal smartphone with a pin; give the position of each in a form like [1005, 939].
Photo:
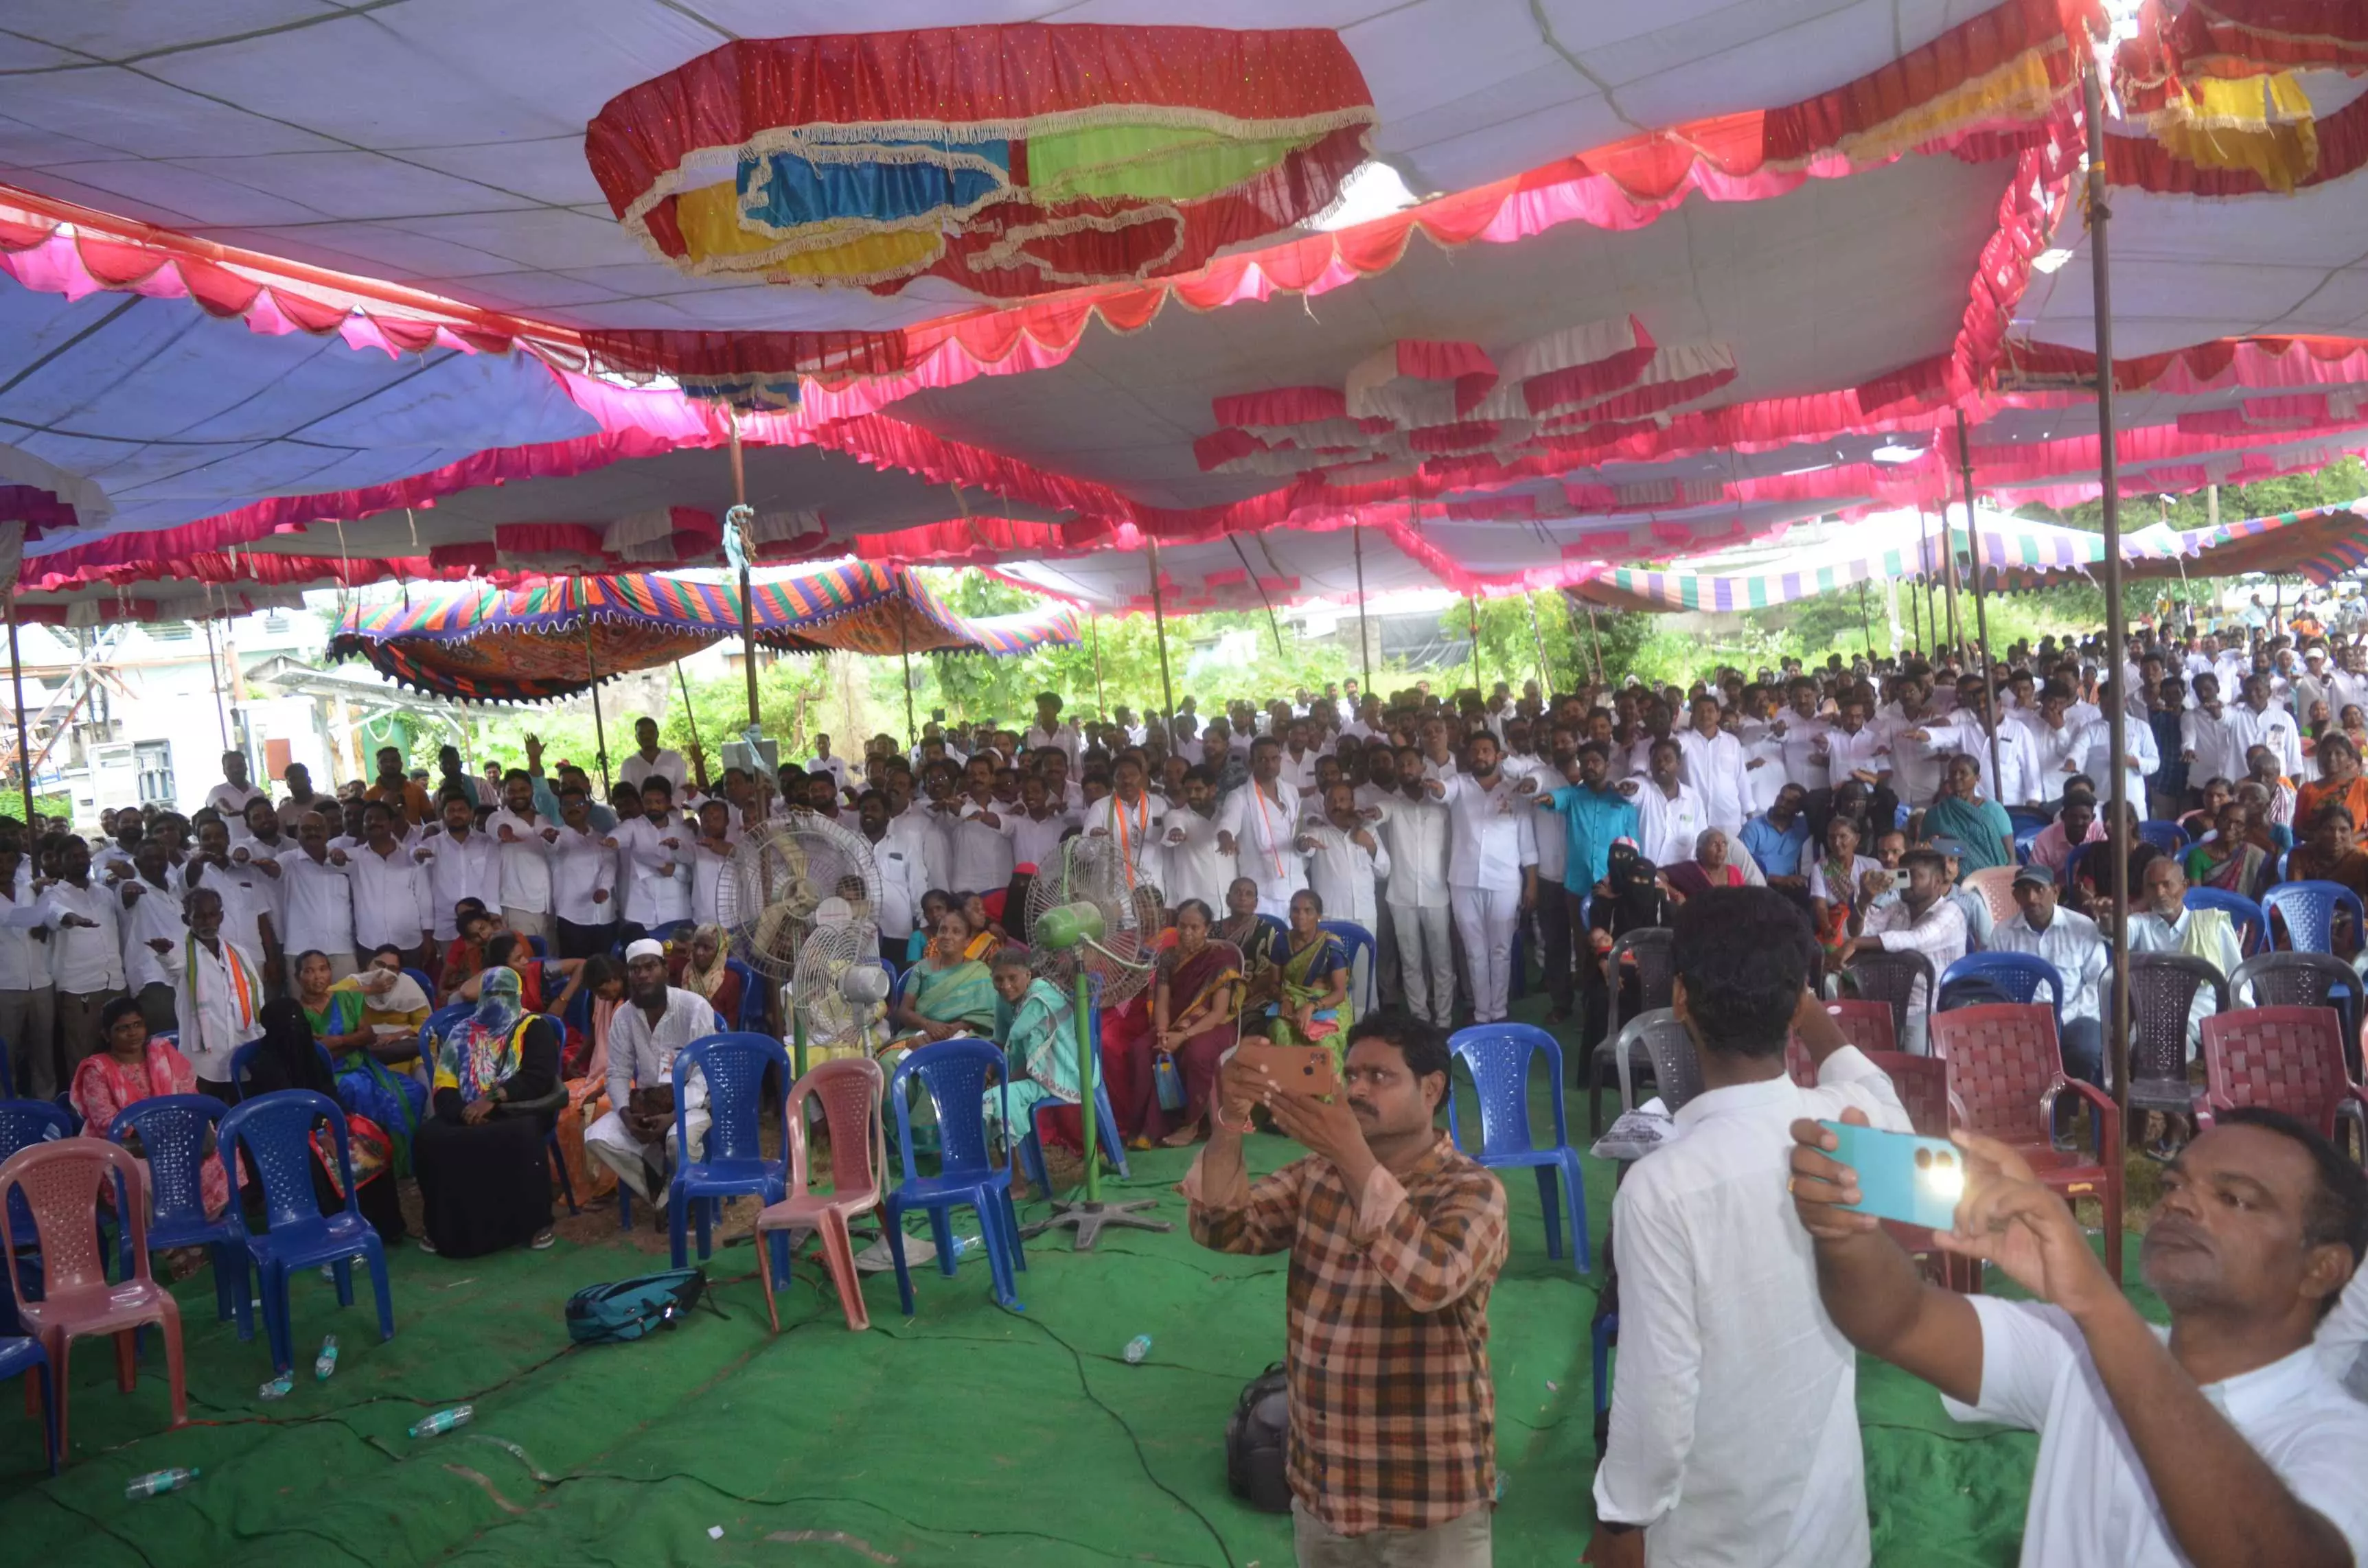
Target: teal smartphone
[1916, 1181]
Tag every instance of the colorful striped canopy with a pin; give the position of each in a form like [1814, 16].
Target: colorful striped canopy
[2320, 542]
[560, 635]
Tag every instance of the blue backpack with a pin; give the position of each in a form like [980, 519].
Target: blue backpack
[625, 1310]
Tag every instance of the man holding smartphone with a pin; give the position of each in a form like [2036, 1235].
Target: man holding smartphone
[1396, 1239]
[1735, 1418]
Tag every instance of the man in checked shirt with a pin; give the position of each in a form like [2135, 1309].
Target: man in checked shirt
[1394, 1239]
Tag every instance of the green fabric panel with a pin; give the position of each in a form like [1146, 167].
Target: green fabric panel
[965, 1438]
[1147, 162]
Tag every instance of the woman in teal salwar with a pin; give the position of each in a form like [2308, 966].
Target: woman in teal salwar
[366, 1084]
[1041, 1049]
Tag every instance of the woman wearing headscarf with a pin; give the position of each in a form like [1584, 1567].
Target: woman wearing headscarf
[702, 966]
[484, 1183]
[1629, 898]
[288, 1057]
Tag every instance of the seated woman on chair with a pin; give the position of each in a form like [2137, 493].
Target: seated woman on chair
[392, 1000]
[584, 1064]
[290, 1058]
[131, 1067]
[545, 985]
[363, 1057]
[1311, 1005]
[1042, 1048]
[947, 994]
[702, 966]
[1196, 1011]
[484, 1182]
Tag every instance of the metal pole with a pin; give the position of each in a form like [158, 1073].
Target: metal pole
[1538, 642]
[747, 597]
[1865, 626]
[1915, 616]
[1364, 635]
[600, 728]
[905, 646]
[687, 713]
[220, 717]
[1271, 623]
[1101, 698]
[1594, 639]
[1473, 605]
[1159, 631]
[24, 741]
[2117, 1034]
[1981, 602]
[1928, 569]
[1948, 565]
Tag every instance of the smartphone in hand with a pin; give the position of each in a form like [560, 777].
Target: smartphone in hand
[1297, 1069]
[1901, 1176]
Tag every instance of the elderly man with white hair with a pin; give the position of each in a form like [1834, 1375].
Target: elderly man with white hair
[636, 1139]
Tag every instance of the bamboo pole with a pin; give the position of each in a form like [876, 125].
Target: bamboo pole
[1364, 631]
[1981, 601]
[740, 515]
[599, 727]
[24, 741]
[1159, 632]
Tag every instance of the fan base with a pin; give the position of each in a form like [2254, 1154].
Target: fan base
[1090, 1219]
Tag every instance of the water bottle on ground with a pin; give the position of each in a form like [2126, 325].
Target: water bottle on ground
[965, 1246]
[1138, 1348]
[443, 1421]
[158, 1481]
[325, 1363]
[277, 1388]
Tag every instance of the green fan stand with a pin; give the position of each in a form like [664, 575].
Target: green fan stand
[1088, 1215]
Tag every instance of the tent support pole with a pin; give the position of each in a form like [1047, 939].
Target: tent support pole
[214, 667]
[1981, 600]
[684, 682]
[1865, 626]
[1159, 632]
[1538, 642]
[2117, 1030]
[24, 741]
[1101, 699]
[1948, 565]
[747, 599]
[1472, 605]
[599, 727]
[1915, 616]
[1271, 623]
[1595, 641]
[904, 647]
[1364, 632]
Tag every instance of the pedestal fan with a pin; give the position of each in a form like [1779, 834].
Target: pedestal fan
[1090, 929]
[772, 900]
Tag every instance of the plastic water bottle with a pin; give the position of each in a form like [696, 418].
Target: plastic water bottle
[158, 1481]
[965, 1246]
[277, 1388]
[443, 1421]
[1138, 1348]
[324, 1365]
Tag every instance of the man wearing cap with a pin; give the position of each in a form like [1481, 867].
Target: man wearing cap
[2070, 941]
[636, 1139]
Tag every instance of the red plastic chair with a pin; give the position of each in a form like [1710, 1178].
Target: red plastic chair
[61, 1182]
[849, 1089]
[2288, 1059]
[1922, 1084]
[2005, 1072]
[1866, 1025]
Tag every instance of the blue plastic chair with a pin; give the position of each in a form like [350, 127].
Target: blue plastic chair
[537, 946]
[427, 986]
[1357, 939]
[1498, 1056]
[752, 998]
[2165, 834]
[8, 1079]
[2030, 817]
[957, 1073]
[243, 1057]
[172, 1130]
[732, 1162]
[20, 1355]
[274, 1132]
[1109, 1141]
[669, 931]
[2252, 924]
[22, 1124]
[2024, 832]
[624, 1193]
[2018, 976]
[2309, 909]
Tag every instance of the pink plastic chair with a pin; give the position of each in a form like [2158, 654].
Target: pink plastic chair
[60, 1181]
[851, 1090]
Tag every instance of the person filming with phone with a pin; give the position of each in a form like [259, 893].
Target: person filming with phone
[1922, 919]
[1395, 1238]
[2221, 1441]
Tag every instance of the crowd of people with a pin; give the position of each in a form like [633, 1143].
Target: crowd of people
[1364, 873]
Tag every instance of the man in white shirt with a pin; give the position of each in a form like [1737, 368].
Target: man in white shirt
[230, 796]
[636, 1139]
[317, 882]
[825, 761]
[1854, 748]
[1049, 730]
[1922, 919]
[1129, 818]
[2222, 1441]
[2141, 759]
[1256, 825]
[1299, 757]
[461, 863]
[583, 878]
[216, 991]
[250, 912]
[653, 859]
[711, 858]
[2068, 940]
[2207, 740]
[895, 862]
[152, 927]
[1492, 869]
[85, 923]
[518, 829]
[1734, 1435]
[1417, 830]
[1803, 735]
[1711, 760]
[649, 760]
[390, 890]
[27, 997]
[980, 836]
[1196, 867]
[1670, 814]
[2257, 722]
[1346, 861]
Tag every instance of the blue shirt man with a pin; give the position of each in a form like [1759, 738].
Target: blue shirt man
[1776, 837]
[1594, 814]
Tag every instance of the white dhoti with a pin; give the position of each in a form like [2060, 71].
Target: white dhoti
[644, 1168]
[1485, 918]
[1426, 961]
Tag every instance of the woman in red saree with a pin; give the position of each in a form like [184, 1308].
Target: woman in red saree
[1196, 1012]
[132, 1067]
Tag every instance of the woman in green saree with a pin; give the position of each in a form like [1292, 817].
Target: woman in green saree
[1312, 975]
[946, 995]
[1960, 812]
[362, 1055]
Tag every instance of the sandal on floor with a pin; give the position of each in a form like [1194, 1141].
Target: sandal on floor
[542, 1240]
[427, 1246]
